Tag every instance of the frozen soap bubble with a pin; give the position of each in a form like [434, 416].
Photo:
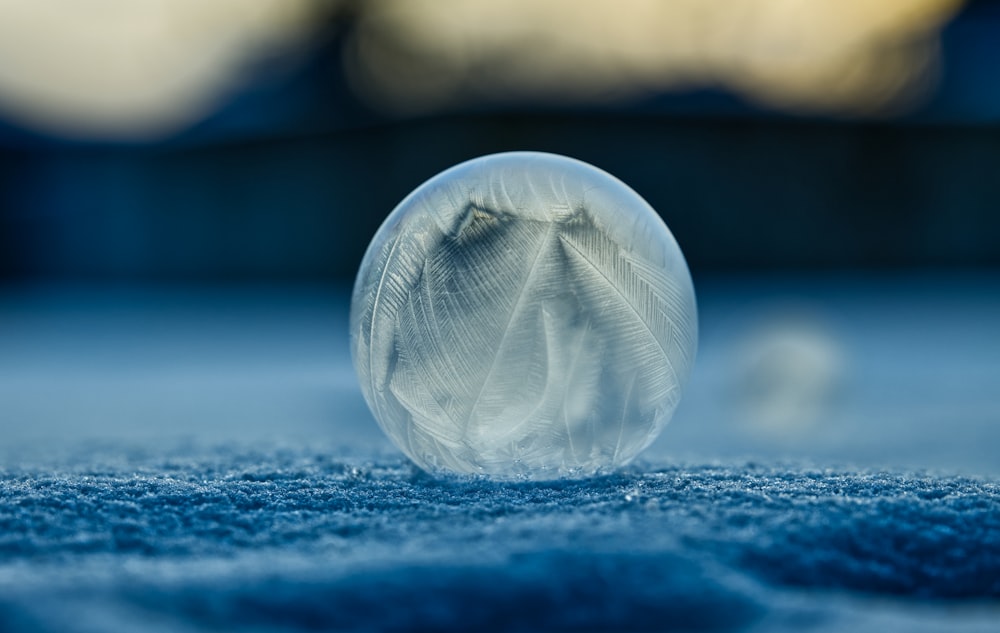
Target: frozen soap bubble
[523, 315]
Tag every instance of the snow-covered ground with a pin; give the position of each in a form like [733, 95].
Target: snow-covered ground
[199, 459]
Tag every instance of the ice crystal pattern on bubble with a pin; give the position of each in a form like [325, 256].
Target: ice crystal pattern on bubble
[523, 314]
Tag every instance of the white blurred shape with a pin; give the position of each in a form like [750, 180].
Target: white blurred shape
[787, 371]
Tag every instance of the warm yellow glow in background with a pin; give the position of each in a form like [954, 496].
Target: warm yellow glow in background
[147, 68]
[132, 67]
[850, 56]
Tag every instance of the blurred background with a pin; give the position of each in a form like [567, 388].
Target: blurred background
[187, 188]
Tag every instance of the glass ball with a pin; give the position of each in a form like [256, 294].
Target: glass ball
[523, 315]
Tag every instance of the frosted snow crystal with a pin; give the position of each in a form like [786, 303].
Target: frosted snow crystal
[523, 315]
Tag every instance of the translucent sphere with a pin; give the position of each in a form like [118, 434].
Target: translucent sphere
[523, 315]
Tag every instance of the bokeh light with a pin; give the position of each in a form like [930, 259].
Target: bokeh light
[141, 69]
[848, 56]
[113, 69]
